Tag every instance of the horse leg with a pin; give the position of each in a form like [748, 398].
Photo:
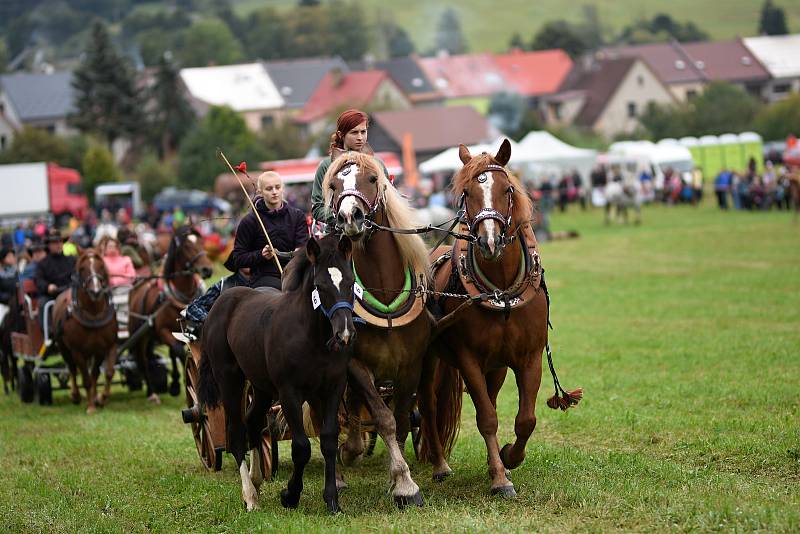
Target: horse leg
[352, 450]
[404, 490]
[528, 380]
[74, 392]
[328, 443]
[110, 362]
[292, 407]
[608, 212]
[486, 417]
[232, 386]
[177, 352]
[428, 403]
[255, 419]
[88, 383]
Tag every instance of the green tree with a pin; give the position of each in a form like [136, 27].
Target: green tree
[399, 42]
[98, 167]
[154, 176]
[772, 20]
[560, 34]
[35, 144]
[448, 33]
[723, 108]
[106, 98]
[665, 121]
[284, 141]
[517, 42]
[221, 128]
[779, 120]
[308, 29]
[209, 42]
[3, 55]
[267, 35]
[347, 30]
[661, 28]
[172, 116]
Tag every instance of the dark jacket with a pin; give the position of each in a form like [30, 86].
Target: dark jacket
[287, 230]
[8, 284]
[54, 269]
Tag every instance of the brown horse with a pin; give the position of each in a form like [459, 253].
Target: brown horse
[501, 323]
[392, 344]
[85, 326]
[160, 301]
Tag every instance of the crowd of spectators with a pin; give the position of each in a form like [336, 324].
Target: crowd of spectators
[750, 190]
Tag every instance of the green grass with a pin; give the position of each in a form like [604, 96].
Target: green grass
[683, 332]
[488, 26]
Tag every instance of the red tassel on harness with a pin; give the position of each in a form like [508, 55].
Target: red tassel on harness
[242, 167]
[565, 399]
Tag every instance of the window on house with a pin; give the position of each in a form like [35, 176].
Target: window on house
[631, 109]
[690, 94]
[2, 142]
[781, 88]
[2, 108]
[267, 121]
[640, 80]
[555, 108]
[51, 128]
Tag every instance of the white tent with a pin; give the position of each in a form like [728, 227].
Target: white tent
[543, 154]
[448, 161]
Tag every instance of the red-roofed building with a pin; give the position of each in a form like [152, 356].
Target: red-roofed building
[535, 74]
[367, 90]
[467, 79]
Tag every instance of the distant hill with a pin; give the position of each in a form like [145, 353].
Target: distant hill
[489, 24]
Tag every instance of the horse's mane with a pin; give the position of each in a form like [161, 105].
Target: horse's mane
[398, 211]
[523, 206]
[297, 271]
[177, 239]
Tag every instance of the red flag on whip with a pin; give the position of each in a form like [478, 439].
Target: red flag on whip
[242, 167]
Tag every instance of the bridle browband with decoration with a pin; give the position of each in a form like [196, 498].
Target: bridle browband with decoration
[491, 213]
[372, 205]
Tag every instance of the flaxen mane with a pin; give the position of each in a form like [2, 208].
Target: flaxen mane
[398, 211]
[523, 207]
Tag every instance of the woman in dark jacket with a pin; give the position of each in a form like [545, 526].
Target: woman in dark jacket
[287, 230]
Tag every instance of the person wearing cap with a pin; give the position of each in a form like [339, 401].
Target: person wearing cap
[54, 272]
[36, 252]
[350, 135]
[287, 230]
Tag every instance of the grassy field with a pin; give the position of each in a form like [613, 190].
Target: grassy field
[488, 26]
[684, 333]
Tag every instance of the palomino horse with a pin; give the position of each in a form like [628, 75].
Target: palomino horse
[288, 345]
[160, 301]
[499, 268]
[392, 345]
[85, 326]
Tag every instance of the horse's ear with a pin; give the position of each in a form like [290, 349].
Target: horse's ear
[504, 154]
[463, 154]
[345, 246]
[312, 250]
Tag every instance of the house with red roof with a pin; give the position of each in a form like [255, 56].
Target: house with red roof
[537, 73]
[371, 90]
[467, 79]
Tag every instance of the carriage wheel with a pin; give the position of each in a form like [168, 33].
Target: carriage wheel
[44, 389]
[201, 431]
[25, 384]
[269, 457]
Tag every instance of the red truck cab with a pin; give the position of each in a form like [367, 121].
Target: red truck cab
[66, 191]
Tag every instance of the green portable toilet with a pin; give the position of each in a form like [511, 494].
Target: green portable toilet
[696, 149]
[752, 147]
[712, 155]
[732, 154]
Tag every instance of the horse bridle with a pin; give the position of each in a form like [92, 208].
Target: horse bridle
[490, 213]
[188, 267]
[338, 305]
[83, 282]
[372, 206]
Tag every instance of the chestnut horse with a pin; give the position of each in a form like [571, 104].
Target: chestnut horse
[160, 301]
[501, 323]
[291, 345]
[392, 344]
[85, 328]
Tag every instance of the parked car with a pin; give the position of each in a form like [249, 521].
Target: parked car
[192, 200]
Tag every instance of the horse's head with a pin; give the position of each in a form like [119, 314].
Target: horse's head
[333, 279]
[186, 254]
[493, 199]
[354, 187]
[92, 274]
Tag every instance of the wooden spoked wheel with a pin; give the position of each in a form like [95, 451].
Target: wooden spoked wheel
[266, 438]
[201, 428]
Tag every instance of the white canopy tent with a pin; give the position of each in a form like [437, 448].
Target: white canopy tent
[448, 161]
[546, 155]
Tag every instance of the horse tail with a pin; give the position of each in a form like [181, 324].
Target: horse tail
[208, 389]
[448, 387]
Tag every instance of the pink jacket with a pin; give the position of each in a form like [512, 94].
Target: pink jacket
[120, 270]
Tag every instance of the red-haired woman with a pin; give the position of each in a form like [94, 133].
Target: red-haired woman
[350, 134]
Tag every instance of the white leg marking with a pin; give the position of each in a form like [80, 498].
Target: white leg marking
[249, 493]
[404, 485]
[336, 277]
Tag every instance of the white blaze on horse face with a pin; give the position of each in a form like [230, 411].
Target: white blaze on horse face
[486, 187]
[336, 277]
[95, 279]
[348, 177]
[192, 238]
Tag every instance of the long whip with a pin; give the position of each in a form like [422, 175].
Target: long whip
[252, 205]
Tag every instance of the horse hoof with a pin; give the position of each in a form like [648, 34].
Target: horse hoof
[341, 485]
[154, 399]
[348, 458]
[506, 492]
[76, 399]
[403, 501]
[91, 410]
[504, 457]
[334, 508]
[439, 477]
[175, 389]
[287, 501]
